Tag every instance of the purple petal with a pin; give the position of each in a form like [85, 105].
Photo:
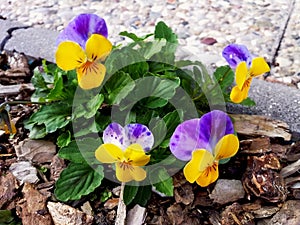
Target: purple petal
[114, 133]
[203, 133]
[234, 54]
[139, 134]
[213, 126]
[81, 27]
[185, 139]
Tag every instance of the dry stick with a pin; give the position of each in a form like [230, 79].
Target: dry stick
[277, 43]
[121, 212]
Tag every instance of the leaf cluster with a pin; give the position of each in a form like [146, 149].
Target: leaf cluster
[144, 84]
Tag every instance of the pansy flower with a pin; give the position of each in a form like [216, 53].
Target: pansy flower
[203, 143]
[83, 45]
[126, 147]
[246, 67]
[6, 123]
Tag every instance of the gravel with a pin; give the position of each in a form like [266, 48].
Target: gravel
[257, 24]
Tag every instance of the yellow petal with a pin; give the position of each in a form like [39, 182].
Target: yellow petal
[226, 147]
[238, 95]
[123, 173]
[259, 66]
[126, 172]
[138, 173]
[136, 155]
[69, 55]
[109, 153]
[97, 47]
[201, 159]
[241, 73]
[91, 75]
[208, 176]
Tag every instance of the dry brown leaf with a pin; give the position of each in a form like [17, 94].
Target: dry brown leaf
[175, 214]
[184, 194]
[288, 214]
[57, 165]
[8, 189]
[33, 207]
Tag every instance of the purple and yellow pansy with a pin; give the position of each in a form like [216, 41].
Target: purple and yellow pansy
[203, 143]
[83, 45]
[126, 147]
[246, 68]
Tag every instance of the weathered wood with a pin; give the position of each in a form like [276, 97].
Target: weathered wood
[6, 90]
[255, 126]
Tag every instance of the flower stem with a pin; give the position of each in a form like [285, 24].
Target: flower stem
[121, 212]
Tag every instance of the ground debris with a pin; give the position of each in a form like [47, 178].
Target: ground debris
[32, 208]
[63, 214]
[24, 172]
[256, 126]
[184, 194]
[8, 190]
[36, 151]
[226, 191]
[235, 214]
[262, 179]
[136, 216]
[288, 214]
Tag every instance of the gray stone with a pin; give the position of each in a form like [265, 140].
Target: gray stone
[227, 191]
[5, 26]
[275, 100]
[34, 42]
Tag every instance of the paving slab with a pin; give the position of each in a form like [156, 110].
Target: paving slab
[5, 27]
[275, 100]
[34, 42]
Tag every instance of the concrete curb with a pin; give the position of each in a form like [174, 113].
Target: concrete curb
[275, 100]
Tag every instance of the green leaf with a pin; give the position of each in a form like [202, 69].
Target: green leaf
[248, 102]
[167, 54]
[118, 87]
[134, 37]
[81, 151]
[150, 87]
[162, 181]
[64, 139]
[128, 60]
[54, 116]
[105, 195]
[143, 195]
[151, 48]
[172, 120]
[7, 218]
[129, 193]
[223, 161]
[163, 31]
[159, 130]
[93, 105]
[78, 180]
[36, 131]
[225, 77]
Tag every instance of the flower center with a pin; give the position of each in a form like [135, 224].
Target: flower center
[211, 168]
[125, 165]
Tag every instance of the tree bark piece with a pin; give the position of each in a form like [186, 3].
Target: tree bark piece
[255, 126]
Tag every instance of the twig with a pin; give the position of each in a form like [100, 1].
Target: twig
[5, 155]
[121, 212]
